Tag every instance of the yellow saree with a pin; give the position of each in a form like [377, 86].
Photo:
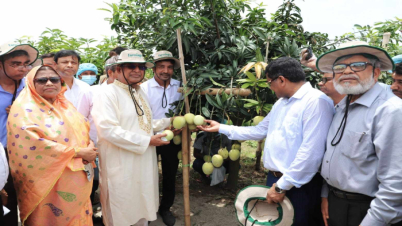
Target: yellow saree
[51, 184]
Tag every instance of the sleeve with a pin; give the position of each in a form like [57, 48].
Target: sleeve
[105, 114]
[258, 132]
[84, 104]
[324, 189]
[317, 118]
[160, 124]
[386, 208]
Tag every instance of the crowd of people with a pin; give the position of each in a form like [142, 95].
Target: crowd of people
[333, 153]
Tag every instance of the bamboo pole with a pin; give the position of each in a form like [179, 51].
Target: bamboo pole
[214, 91]
[185, 140]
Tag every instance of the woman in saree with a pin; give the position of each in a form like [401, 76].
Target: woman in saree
[49, 151]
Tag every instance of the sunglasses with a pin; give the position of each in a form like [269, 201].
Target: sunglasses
[134, 66]
[325, 80]
[356, 67]
[44, 80]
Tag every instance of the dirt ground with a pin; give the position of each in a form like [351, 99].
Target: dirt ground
[213, 206]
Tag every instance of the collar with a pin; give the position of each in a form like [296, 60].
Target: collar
[302, 91]
[122, 85]
[20, 87]
[366, 99]
[154, 83]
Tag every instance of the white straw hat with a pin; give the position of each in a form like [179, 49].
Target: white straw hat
[326, 61]
[133, 56]
[166, 55]
[10, 47]
[252, 208]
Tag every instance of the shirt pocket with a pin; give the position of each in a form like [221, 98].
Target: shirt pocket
[357, 145]
[291, 127]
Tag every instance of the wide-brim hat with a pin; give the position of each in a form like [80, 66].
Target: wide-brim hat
[252, 208]
[10, 47]
[37, 62]
[326, 61]
[166, 55]
[133, 56]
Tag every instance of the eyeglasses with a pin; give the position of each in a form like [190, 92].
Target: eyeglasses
[269, 82]
[44, 80]
[356, 67]
[134, 66]
[325, 80]
[19, 67]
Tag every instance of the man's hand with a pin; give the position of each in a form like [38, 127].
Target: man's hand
[310, 62]
[324, 210]
[212, 127]
[156, 140]
[176, 131]
[8, 109]
[89, 153]
[273, 196]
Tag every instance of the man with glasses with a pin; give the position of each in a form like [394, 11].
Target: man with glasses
[362, 164]
[162, 93]
[295, 132]
[126, 142]
[14, 63]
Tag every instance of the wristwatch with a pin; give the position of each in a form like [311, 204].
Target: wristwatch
[279, 190]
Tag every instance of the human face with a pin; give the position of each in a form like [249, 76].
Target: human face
[355, 83]
[276, 85]
[49, 90]
[112, 76]
[49, 61]
[133, 75]
[67, 66]
[396, 86]
[164, 70]
[86, 73]
[16, 68]
[326, 84]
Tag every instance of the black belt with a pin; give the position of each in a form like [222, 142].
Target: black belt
[349, 195]
[276, 174]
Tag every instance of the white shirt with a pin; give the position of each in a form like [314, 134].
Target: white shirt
[3, 168]
[74, 93]
[295, 131]
[154, 92]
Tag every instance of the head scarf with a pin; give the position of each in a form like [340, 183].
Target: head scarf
[42, 139]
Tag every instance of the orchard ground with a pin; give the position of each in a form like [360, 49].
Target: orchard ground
[213, 206]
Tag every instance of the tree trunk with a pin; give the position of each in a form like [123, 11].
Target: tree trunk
[233, 178]
[258, 155]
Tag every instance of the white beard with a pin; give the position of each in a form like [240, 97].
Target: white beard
[360, 88]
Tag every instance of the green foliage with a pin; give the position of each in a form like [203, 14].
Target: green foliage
[54, 40]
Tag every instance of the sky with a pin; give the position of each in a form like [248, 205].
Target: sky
[81, 18]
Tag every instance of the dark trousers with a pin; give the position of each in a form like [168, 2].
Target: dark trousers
[306, 201]
[170, 163]
[11, 219]
[346, 212]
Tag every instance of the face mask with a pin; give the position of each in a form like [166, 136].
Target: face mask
[90, 79]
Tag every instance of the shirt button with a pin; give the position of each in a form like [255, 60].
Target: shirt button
[327, 178]
[327, 161]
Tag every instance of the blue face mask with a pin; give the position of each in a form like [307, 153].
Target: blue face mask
[90, 79]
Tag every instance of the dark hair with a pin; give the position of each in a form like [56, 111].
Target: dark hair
[13, 54]
[47, 55]
[65, 53]
[287, 67]
[119, 49]
[398, 69]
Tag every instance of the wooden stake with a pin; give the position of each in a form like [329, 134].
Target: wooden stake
[185, 140]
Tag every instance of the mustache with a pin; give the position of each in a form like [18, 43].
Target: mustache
[349, 76]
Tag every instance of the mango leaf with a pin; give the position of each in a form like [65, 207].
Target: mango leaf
[251, 101]
[212, 101]
[250, 76]
[215, 83]
[206, 112]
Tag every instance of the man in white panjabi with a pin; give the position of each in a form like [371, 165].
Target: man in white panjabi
[126, 145]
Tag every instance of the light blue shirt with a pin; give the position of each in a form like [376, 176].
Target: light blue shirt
[5, 101]
[295, 131]
[368, 159]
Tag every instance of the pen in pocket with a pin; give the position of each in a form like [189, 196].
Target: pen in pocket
[364, 133]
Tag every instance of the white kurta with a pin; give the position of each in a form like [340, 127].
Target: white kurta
[128, 165]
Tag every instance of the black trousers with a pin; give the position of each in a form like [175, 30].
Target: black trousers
[346, 212]
[11, 219]
[170, 163]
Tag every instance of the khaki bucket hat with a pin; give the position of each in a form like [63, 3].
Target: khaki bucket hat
[133, 56]
[166, 55]
[252, 209]
[326, 61]
[10, 47]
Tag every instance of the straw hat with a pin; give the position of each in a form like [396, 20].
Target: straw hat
[166, 55]
[12, 46]
[251, 208]
[327, 60]
[133, 56]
